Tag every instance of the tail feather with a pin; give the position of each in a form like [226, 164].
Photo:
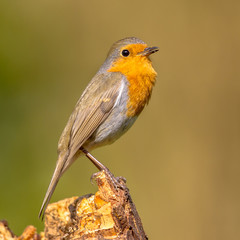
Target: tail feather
[55, 178]
[47, 197]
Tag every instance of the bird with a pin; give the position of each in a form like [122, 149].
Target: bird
[108, 107]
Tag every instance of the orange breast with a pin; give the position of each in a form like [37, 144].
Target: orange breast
[141, 76]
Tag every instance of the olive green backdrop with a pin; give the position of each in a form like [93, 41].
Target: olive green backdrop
[181, 158]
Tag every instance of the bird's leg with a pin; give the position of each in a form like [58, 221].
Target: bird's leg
[101, 167]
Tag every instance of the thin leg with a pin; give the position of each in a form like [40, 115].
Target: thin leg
[99, 165]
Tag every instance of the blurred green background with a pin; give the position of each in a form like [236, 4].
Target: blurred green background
[181, 158]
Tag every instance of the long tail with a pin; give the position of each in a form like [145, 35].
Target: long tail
[55, 178]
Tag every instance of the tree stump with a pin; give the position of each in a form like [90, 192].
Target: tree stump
[109, 214]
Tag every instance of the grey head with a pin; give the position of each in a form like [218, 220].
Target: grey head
[114, 51]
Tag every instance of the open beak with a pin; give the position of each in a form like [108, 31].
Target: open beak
[148, 51]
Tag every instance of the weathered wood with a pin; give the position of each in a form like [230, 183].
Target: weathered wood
[30, 233]
[109, 214]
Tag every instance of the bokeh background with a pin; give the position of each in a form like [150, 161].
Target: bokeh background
[181, 158]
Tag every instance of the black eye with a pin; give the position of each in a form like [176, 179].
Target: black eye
[125, 52]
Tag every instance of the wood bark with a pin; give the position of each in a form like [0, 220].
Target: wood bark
[109, 214]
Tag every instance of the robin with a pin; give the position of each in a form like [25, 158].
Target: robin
[108, 107]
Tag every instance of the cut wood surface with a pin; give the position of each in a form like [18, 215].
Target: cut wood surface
[109, 214]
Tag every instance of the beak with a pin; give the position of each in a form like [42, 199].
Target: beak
[148, 51]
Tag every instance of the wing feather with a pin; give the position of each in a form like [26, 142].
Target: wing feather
[85, 125]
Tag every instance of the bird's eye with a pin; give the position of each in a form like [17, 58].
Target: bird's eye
[125, 52]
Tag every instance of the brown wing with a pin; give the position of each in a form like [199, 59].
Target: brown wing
[88, 121]
[92, 109]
